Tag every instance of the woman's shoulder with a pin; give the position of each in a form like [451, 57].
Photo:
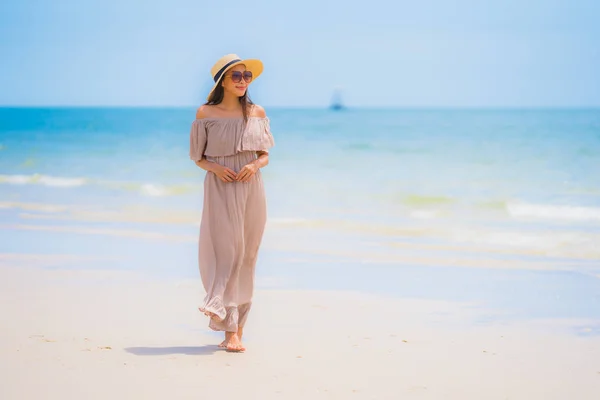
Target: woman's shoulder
[204, 111]
[258, 111]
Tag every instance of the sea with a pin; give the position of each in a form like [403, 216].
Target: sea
[493, 207]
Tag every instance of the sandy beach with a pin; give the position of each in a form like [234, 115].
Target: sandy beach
[78, 334]
[432, 220]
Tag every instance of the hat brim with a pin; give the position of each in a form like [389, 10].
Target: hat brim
[252, 64]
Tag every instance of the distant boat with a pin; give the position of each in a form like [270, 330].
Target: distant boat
[336, 101]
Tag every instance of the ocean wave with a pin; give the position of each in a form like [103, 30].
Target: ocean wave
[155, 190]
[45, 180]
[85, 213]
[555, 212]
[555, 244]
[133, 233]
[424, 214]
[46, 208]
[145, 189]
[506, 238]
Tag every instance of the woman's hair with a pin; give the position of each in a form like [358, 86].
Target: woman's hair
[217, 97]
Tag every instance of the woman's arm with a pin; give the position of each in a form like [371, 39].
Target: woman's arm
[205, 164]
[262, 160]
[224, 173]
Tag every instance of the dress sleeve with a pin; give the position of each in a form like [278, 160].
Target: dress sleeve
[268, 140]
[258, 136]
[197, 139]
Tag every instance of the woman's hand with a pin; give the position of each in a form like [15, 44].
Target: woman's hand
[225, 174]
[247, 172]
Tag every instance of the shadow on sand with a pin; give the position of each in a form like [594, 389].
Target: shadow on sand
[162, 351]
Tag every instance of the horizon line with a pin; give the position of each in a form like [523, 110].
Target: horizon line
[323, 107]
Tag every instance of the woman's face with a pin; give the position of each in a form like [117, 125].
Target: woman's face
[236, 80]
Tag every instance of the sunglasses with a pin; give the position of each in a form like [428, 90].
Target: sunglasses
[236, 76]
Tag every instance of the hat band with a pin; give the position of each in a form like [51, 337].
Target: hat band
[218, 74]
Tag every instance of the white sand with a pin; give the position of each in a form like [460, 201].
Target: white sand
[113, 335]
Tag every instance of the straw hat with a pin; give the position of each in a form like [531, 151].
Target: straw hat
[229, 61]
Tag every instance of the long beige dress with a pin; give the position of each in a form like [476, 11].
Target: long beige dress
[233, 217]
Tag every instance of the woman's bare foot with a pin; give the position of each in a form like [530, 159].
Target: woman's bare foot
[233, 342]
[240, 332]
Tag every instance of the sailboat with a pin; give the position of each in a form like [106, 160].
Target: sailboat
[336, 101]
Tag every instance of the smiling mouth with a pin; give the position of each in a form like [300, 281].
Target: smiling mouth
[241, 87]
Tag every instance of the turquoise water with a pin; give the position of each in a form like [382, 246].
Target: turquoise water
[393, 190]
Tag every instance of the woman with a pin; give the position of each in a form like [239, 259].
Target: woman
[230, 139]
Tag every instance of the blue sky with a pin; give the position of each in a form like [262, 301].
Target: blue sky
[382, 53]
